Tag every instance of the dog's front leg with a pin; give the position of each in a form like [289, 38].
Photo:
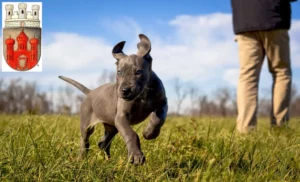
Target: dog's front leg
[131, 139]
[110, 132]
[157, 120]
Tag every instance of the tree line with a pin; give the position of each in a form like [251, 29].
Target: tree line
[19, 96]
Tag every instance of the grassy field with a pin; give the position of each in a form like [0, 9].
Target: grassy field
[45, 148]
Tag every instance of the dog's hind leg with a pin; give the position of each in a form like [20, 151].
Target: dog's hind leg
[157, 120]
[87, 123]
[109, 133]
[85, 135]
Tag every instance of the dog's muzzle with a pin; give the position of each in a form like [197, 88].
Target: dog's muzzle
[130, 93]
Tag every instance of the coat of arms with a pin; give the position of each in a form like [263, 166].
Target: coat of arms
[21, 37]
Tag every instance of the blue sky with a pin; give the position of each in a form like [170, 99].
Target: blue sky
[146, 13]
[75, 16]
[70, 16]
[182, 32]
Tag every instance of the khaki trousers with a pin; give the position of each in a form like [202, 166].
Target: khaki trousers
[253, 47]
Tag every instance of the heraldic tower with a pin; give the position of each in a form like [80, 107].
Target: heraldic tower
[22, 53]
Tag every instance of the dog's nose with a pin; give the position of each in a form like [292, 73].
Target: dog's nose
[126, 91]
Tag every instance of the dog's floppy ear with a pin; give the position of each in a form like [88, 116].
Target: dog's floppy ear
[117, 51]
[144, 46]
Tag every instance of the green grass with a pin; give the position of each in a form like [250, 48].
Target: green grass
[45, 148]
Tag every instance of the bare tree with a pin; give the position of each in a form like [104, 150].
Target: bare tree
[22, 97]
[203, 106]
[79, 99]
[2, 96]
[207, 107]
[295, 102]
[18, 96]
[106, 77]
[51, 100]
[193, 97]
[180, 94]
[223, 97]
[66, 100]
[294, 92]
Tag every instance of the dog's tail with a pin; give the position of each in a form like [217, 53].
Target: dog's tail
[76, 84]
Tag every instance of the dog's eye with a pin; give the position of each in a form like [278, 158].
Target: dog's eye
[138, 72]
[119, 73]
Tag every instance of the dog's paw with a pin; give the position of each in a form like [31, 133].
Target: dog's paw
[105, 147]
[137, 159]
[102, 145]
[151, 133]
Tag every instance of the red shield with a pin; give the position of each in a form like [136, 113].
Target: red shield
[22, 37]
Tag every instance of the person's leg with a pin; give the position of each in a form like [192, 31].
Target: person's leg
[251, 56]
[276, 44]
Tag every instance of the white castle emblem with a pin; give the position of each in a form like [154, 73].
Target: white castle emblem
[22, 17]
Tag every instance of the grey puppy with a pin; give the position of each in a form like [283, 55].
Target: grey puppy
[137, 93]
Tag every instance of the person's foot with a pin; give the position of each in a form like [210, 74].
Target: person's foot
[284, 127]
[249, 129]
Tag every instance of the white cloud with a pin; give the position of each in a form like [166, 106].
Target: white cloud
[295, 43]
[203, 45]
[231, 76]
[197, 49]
[200, 46]
[203, 28]
[70, 51]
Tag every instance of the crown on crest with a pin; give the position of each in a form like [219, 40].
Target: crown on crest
[22, 5]
[35, 7]
[9, 7]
